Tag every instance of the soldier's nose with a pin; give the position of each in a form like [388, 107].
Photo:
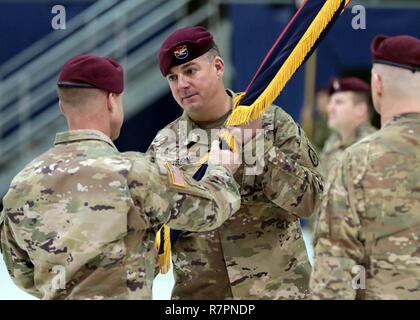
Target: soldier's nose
[182, 82]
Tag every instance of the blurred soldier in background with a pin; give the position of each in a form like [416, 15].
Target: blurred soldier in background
[314, 119]
[321, 131]
[260, 253]
[349, 114]
[368, 237]
[348, 117]
[89, 213]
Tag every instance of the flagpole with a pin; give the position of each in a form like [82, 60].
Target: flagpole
[307, 112]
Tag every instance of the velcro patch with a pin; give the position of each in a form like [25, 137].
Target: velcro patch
[176, 177]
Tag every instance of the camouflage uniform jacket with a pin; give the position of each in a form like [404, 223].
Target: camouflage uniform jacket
[259, 253]
[334, 146]
[90, 213]
[370, 219]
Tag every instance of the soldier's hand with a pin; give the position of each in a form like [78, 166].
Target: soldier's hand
[226, 158]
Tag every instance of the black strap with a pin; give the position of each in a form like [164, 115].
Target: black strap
[413, 69]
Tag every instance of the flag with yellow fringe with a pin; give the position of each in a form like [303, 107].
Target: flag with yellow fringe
[292, 48]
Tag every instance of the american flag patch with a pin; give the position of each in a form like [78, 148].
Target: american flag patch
[176, 178]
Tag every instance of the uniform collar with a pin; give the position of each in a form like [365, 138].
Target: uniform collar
[358, 134]
[267, 121]
[405, 116]
[191, 125]
[82, 135]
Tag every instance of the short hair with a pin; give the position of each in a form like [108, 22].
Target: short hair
[74, 97]
[213, 52]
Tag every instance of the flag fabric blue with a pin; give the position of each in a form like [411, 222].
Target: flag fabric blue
[284, 45]
[292, 48]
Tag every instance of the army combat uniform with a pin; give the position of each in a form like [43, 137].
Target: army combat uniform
[91, 213]
[259, 253]
[368, 238]
[334, 146]
[331, 155]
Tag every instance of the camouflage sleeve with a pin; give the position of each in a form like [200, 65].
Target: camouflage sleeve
[168, 194]
[151, 151]
[17, 261]
[291, 179]
[162, 143]
[338, 250]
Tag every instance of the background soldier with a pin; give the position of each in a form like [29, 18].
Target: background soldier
[260, 253]
[321, 131]
[367, 243]
[348, 116]
[92, 211]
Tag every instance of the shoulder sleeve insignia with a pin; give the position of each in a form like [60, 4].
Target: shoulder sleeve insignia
[175, 176]
[313, 156]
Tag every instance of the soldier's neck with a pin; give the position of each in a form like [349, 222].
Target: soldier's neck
[88, 124]
[347, 134]
[219, 107]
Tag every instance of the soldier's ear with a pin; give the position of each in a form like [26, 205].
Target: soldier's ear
[219, 64]
[60, 105]
[377, 83]
[110, 102]
[362, 108]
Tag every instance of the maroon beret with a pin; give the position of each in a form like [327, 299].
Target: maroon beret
[90, 71]
[184, 45]
[348, 84]
[398, 51]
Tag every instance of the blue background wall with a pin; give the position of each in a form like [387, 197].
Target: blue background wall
[23, 23]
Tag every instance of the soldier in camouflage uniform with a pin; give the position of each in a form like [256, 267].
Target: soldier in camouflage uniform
[79, 222]
[259, 253]
[348, 117]
[368, 237]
